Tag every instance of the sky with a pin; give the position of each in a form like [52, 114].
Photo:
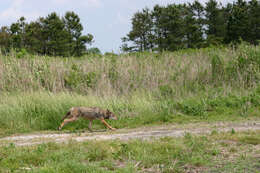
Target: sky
[107, 20]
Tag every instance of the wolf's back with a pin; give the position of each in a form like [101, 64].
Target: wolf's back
[91, 112]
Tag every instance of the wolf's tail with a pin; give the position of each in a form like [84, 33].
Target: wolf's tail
[67, 114]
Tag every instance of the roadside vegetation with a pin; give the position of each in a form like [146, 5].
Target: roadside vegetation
[180, 63]
[218, 152]
[210, 84]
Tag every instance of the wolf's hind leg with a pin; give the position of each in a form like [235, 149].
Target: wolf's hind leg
[106, 124]
[67, 121]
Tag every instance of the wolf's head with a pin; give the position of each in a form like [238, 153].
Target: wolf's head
[110, 115]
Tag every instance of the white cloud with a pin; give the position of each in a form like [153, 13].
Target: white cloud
[93, 3]
[15, 10]
[122, 19]
[60, 2]
[78, 3]
[32, 9]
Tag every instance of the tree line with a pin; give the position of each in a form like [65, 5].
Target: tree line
[162, 28]
[51, 35]
[193, 25]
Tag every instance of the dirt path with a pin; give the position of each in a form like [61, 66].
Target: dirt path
[126, 134]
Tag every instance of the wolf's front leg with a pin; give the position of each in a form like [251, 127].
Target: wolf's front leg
[107, 125]
[90, 126]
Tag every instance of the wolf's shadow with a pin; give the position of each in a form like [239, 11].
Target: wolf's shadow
[82, 131]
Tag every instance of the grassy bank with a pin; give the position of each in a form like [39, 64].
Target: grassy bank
[175, 75]
[210, 84]
[28, 112]
[218, 152]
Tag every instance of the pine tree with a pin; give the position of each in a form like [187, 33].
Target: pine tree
[56, 36]
[238, 22]
[5, 39]
[18, 33]
[215, 23]
[141, 34]
[254, 22]
[169, 26]
[194, 25]
[76, 40]
[34, 40]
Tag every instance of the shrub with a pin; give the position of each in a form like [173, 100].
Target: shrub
[76, 78]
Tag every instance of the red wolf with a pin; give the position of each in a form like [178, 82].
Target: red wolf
[90, 113]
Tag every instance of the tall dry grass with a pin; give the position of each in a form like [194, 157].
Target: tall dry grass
[181, 73]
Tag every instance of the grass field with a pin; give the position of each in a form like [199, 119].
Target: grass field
[211, 84]
[142, 89]
[218, 152]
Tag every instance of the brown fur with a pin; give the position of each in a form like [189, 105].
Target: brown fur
[90, 113]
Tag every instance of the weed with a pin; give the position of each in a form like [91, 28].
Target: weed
[233, 131]
[184, 154]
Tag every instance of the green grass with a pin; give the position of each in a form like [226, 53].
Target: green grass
[219, 152]
[43, 111]
[211, 84]
[142, 89]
